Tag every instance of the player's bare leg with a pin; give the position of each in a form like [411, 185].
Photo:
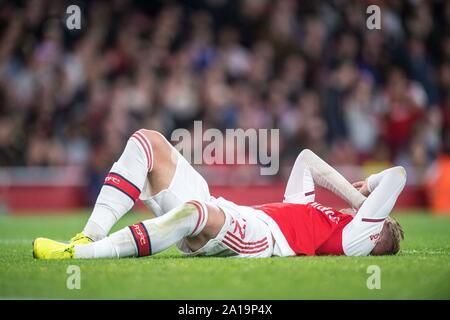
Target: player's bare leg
[216, 220]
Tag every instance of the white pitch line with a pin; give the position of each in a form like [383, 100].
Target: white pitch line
[16, 241]
[20, 241]
[425, 252]
[20, 298]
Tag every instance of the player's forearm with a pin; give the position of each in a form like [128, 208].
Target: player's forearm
[374, 180]
[327, 177]
[387, 186]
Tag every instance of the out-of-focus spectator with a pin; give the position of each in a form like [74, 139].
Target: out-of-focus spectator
[402, 105]
[361, 118]
[310, 68]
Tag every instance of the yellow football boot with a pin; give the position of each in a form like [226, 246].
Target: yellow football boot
[80, 238]
[44, 248]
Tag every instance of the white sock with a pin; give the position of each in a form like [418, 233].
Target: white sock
[119, 244]
[122, 186]
[150, 236]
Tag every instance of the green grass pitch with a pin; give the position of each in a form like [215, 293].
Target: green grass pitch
[420, 271]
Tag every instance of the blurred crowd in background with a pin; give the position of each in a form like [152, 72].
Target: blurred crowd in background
[310, 68]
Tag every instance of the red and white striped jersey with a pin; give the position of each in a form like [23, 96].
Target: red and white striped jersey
[310, 229]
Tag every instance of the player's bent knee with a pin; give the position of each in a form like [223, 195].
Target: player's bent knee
[160, 147]
[156, 139]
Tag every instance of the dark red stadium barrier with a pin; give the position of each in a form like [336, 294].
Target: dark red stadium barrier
[39, 198]
[57, 198]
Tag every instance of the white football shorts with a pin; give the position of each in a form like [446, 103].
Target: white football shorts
[187, 184]
[243, 235]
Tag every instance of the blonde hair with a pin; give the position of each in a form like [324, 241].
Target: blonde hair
[396, 234]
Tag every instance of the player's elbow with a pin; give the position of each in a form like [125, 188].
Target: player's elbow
[400, 174]
[306, 154]
[400, 170]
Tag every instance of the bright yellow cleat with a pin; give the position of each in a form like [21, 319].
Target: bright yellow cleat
[44, 248]
[80, 238]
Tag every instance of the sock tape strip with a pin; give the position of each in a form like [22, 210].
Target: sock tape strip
[142, 239]
[120, 183]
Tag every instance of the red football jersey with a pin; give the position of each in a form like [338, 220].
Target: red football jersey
[310, 229]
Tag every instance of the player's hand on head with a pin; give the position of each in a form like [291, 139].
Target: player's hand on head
[362, 187]
[358, 185]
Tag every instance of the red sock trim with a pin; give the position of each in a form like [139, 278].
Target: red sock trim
[120, 183]
[142, 140]
[142, 239]
[201, 214]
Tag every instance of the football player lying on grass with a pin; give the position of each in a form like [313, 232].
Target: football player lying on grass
[151, 169]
